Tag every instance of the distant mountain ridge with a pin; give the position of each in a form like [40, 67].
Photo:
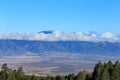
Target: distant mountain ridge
[18, 47]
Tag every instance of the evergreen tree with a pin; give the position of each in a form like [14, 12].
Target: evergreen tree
[5, 67]
[110, 67]
[97, 71]
[4, 72]
[48, 78]
[58, 77]
[35, 77]
[19, 73]
[89, 76]
[27, 77]
[71, 76]
[116, 71]
[105, 74]
[81, 76]
[42, 78]
[108, 71]
[11, 75]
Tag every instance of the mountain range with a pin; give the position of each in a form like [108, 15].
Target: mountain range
[18, 47]
[59, 42]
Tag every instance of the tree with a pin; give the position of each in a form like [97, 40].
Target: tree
[19, 73]
[27, 77]
[89, 76]
[5, 67]
[11, 75]
[4, 72]
[105, 74]
[58, 77]
[48, 78]
[81, 76]
[116, 71]
[71, 76]
[35, 77]
[97, 71]
[110, 67]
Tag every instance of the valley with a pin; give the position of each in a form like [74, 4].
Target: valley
[56, 57]
[55, 63]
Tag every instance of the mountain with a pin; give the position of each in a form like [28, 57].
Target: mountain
[46, 32]
[7, 47]
[18, 47]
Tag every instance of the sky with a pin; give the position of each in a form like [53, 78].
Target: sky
[64, 15]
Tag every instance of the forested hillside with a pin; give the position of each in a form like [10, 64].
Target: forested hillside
[102, 71]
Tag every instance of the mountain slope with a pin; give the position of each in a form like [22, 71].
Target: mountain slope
[17, 47]
[7, 47]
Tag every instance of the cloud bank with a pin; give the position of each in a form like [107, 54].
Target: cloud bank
[61, 36]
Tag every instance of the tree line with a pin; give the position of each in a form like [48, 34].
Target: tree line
[101, 71]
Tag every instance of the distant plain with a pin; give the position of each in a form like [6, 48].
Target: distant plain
[55, 63]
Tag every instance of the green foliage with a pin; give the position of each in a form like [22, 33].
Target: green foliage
[71, 76]
[89, 76]
[97, 71]
[58, 77]
[4, 67]
[4, 72]
[11, 76]
[116, 71]
[19, 73]
[48, 78]
[106, 71]
[105, 74]
[81, 76]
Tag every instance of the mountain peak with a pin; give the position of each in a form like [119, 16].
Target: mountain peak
[46, 32]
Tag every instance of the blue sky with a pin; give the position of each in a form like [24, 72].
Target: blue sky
[65, 15]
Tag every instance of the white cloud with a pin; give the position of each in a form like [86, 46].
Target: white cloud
[58, 35]
[107, 35]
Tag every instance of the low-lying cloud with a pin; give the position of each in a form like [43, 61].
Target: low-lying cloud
[61, 36]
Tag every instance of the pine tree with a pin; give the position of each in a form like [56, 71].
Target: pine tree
[5, 67]
[97, 71]
[105, 74]
[110, 67]
[81, 76]
[27, 77]
[19, 73]
[58, 77]
[89, 76]
[11, 75]
[71, 76]
[35, 77]
[4, 72]
[116, 71]
[48, 78]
